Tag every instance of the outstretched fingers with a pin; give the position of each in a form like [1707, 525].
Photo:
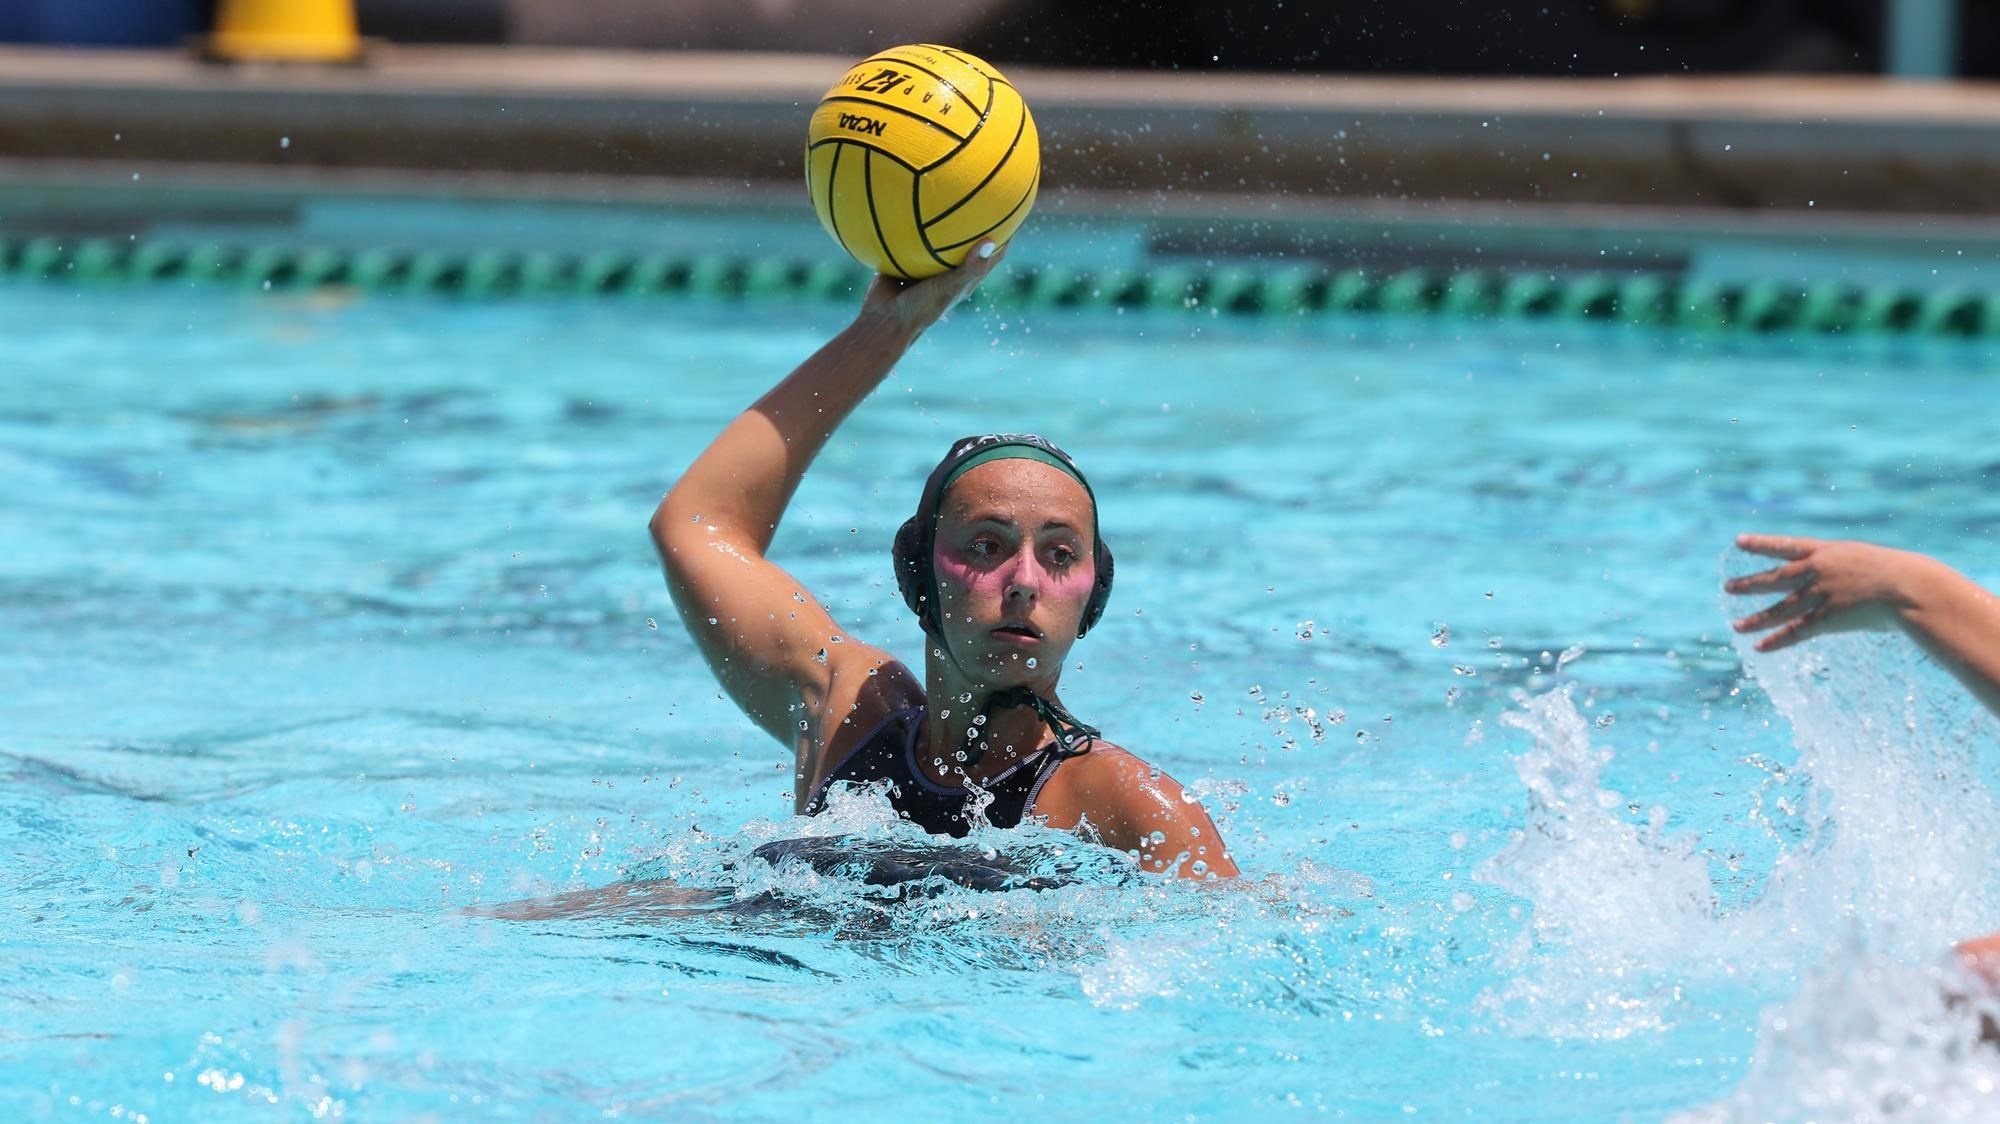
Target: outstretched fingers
[1779, 579]
[1777, 546]
[1802, 606]
[1793, 616]
[1828, 586]
[1800, 629]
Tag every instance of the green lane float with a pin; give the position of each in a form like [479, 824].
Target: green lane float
[1291, 289]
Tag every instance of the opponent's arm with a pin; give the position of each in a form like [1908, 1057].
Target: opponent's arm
[1842, 586]
[758, 630]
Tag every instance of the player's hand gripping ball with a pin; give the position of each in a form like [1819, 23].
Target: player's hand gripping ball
[917, 155]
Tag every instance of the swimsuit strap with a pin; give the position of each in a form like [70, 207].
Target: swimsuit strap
[1074, 737]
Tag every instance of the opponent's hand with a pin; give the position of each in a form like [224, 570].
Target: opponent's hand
[913, 306]
[1829, 587]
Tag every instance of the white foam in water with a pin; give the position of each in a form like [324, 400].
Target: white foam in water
[1899, 806]
[1621, 901]
[1905, 858]
[1869, 1039]
[1892, 862]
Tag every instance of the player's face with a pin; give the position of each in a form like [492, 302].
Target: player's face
[1014, 569]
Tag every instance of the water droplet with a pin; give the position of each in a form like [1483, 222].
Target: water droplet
[1199, 867]
[1157, 838]
[651, 623]
[1440, 635]
[1604, 720]
[1494, 642]
[820, 656]
[1031, 661]
[1463, 669]
[1305, 630]
[1198, 698]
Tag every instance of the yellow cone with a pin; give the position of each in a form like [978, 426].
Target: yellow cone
[285, 31]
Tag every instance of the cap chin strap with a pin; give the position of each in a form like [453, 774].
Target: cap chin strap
[1073, 737]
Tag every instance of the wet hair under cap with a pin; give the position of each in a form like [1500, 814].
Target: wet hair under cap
[917, 538]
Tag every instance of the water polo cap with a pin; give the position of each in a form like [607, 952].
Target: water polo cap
[917, 538]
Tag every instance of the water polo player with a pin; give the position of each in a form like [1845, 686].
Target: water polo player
[1002, 564]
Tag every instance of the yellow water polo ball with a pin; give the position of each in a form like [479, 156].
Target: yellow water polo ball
[917, 155]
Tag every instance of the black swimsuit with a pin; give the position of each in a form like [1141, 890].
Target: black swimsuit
[889, 753]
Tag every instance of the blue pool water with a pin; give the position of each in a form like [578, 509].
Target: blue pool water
[324, 621]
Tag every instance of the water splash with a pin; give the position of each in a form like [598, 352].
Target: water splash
[1870, 1039]
[1887, 1028]
[1891, 749]
[1879, 866]
[1619, 901]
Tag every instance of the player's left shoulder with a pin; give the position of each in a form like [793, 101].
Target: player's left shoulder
[1108, 785]
[1108, 762]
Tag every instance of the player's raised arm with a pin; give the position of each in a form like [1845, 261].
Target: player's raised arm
[757, 628]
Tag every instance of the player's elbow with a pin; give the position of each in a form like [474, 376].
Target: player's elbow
[656, 528]
[672, 519]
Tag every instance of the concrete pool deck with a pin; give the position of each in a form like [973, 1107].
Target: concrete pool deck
[1645, 173]
[1850, 144]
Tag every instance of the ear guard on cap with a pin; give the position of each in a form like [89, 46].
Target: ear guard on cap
[916, 579]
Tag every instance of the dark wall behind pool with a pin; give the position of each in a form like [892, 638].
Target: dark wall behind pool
[433, 21]
[1448, 37]
[1525, 37]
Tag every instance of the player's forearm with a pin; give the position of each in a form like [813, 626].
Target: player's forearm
[1957, 622]
[741, 484]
